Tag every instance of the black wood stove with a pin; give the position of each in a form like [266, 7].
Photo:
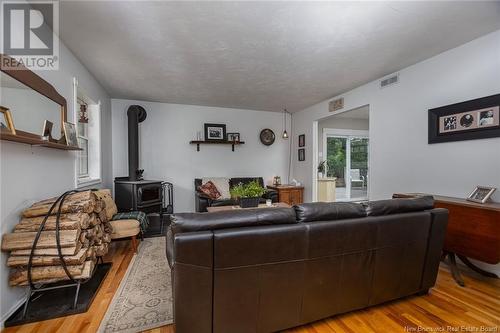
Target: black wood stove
[133, 192]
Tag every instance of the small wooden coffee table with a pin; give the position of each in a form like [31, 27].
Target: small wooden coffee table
[225, 208]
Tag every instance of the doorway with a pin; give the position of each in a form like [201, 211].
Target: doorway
[346, 156]
[343, 152]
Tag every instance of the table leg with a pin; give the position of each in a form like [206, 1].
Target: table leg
[475, 268]
[455, 272]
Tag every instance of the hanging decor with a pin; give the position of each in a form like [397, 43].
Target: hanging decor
[475, 119]
[83, 115]
[285, 133]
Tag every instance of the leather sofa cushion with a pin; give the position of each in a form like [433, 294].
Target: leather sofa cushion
[400, 205]
[187, 222]
[245, 180]
[326, 211]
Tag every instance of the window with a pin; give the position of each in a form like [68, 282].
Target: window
[83, 141]
[87, 115]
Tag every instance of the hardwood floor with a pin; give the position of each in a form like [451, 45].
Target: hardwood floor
[448, 308]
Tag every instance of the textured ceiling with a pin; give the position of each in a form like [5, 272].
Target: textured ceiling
[260, 55]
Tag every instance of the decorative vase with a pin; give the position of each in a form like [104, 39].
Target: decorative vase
[249, 202]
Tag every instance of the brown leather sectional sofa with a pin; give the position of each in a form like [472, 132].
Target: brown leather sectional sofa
[264, 270]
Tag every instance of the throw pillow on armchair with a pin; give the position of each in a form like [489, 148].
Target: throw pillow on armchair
[210, 190]
[222, 184]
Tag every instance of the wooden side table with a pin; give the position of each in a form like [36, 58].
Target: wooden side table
[473, 232]
[289, 194]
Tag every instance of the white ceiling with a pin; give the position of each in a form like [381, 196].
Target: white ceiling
[260, 55]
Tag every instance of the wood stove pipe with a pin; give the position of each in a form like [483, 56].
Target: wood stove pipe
[136, 114]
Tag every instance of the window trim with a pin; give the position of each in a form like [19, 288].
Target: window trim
[81, 182]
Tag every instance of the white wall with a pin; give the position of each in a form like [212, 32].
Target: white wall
[31, 173]
[165, 152]
[400, 158]
[21, 102]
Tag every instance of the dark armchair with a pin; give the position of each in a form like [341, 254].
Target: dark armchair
[202, 201]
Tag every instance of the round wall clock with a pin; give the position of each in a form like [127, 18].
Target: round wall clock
[267, 136]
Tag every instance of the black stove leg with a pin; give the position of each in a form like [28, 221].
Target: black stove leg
[161, 220]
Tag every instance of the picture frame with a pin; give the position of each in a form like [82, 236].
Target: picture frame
[470, 120]
[47, 130]
[215, 132]
[6, 122]
[70, 134]
[302, 140]
[302, 154]
[233, 137]
[481, 194]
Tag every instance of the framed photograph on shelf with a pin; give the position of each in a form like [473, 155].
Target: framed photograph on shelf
[233, 137]
[6, 122]
[474, 119]
[302, 140]
[47, 130]
[70, 134]
[215, 132]
[481, 194]
[302, 154]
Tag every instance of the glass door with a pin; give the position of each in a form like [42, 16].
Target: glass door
[358, 171]
[347, 160]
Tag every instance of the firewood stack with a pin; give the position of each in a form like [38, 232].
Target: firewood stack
[85, 234]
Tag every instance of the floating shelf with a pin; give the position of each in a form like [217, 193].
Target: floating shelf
[35, 141]
[232, 143]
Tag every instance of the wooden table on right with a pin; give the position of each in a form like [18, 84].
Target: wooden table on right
[473, 232]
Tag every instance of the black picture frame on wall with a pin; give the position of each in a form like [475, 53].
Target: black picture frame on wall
[215, 132]
[302, 154]
[471, 120]
[302, 140]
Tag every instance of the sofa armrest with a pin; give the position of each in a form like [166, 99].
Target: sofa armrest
[271, 194]
[192, 281]
[435, 243]
[201, 202]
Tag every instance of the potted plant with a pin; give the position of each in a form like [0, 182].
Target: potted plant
[249, 194]
[321, 169]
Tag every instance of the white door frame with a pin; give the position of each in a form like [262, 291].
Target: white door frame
[347, 134]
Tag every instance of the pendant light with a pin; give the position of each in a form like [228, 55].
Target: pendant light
[285, 134]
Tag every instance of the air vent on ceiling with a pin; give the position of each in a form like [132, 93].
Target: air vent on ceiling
[389, 80]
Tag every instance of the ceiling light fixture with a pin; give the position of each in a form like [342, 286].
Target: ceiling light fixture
[285, 134]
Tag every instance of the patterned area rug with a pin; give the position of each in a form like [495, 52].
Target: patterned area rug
[144, 299]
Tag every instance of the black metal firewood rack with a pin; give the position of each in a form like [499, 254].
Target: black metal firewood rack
[33, 287]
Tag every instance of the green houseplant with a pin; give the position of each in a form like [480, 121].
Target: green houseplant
[321, 169]
[248, 194]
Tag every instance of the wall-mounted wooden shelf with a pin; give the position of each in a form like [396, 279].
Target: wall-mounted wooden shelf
[35, 141]
[232, 143]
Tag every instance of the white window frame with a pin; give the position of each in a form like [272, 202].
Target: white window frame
[80, 136]
[94, 176]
